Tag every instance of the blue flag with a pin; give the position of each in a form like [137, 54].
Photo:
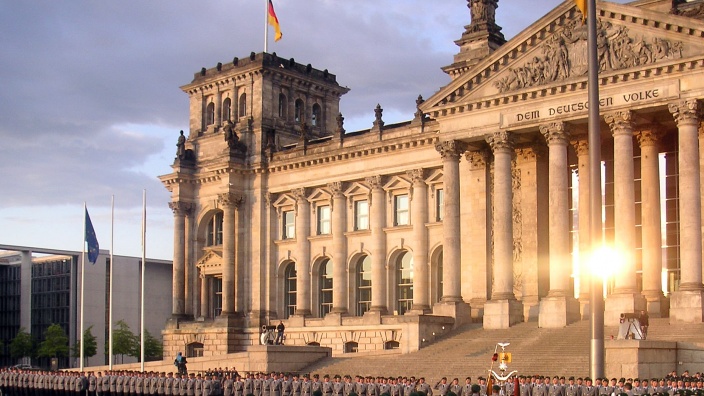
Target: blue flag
[93, 248]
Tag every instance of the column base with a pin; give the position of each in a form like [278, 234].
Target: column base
[371, 317]
[333, 319]
[296, 321]
[531, 308]
[381, 310]
[657, 305]
[232, 319]
[419, 310]
[459, 310]
[558, 311]
[502, 314]
[477, 308]
[686, 306]
[616, 304]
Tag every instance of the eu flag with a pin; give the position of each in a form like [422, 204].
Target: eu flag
[93, 248]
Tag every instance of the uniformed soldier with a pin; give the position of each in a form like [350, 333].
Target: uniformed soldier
[572, 389]
[316, 385]
[338, 388]
[555, 389]
[326, 387]
[305, 386]
[588, 389]
[257, 384]
[93, 383]
[207, 386]
[198, 385]
[285, 386]
[455, 387]
[524, 388]
[424, 387]
[442, 386]
[238, 385]
[348, 386]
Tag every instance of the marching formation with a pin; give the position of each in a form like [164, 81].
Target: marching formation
[15, 382]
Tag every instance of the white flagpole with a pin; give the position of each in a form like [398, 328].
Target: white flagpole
[266, 25]
[144, 267]
[83, 267]
[112, 264]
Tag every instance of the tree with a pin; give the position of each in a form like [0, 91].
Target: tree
[21, 345]
[55, 342]
[124, 342]
[153, 350]
[90, 345]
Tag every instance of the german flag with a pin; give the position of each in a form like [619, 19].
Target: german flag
[274, 21]
[581, 4]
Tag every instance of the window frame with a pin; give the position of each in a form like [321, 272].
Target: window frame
[360, 217]
[399, 212]
[324, 219]
[288, 229]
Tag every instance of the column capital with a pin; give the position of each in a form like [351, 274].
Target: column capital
[374, 182]
[230, 200]
[620, 122]
[556, 133]
[649, 135]
[581, 145]
[477, 159]
[686, 112]
[417, 176]
[299, 194]
[181, 208]
[501, 141]
[450, 149]
[269, 198]
[336, 189]
[531, 152]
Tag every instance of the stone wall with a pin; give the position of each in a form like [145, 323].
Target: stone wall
[651, 359]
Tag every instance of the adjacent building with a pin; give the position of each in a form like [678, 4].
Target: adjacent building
[40, 287]
[476, 209]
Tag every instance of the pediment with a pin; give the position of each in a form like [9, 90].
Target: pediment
[396, 183]
[550, 56]
[319, 194]
[357, 188]
[284, 200]
[211, 262]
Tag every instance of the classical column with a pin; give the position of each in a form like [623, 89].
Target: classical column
[686, 303]
[239, 270]
[339, 249]
[204, 294]
[503, 310]
[559, 308]
[648, 138]
[180, 210]
[228, 202]
[476, 225]
[581, 147]
[303, 252]
[378, 244]
[625, 297]
[419, 216]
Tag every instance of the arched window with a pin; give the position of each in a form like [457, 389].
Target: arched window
[404, 283]
[325, 287]
[364, 285]
[391, 345]
[226, 109]
[214, 237]
[313, 343]
[243, 105]
[439, 278]
[194, 349]
[210, 114]
[351, 347]
[299, 110]
[283, 106]
[315, 115]
[290, 290]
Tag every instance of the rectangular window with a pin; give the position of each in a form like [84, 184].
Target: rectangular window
[289, 225]
[439, 205]
[401, 210]
[217, 296]
[361, 215]
[324, 220]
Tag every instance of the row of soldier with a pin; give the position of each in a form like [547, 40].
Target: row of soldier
[229, 383]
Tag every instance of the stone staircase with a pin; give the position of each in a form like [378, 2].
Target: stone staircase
[468, 350]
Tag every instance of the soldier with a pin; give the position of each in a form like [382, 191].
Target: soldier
[359, 387]
[93, 383]
[338, 388]
[295, 386]
[588, 389]
[424, 387]
[555, 389]
[571, 389]
[183, 390]
[348, 386]
[316, 385]
[455, 387]
[442, 386]
[207, 386]
[305, 386]
[140, 384]
[285, 386]
[326, 387]
[524, 389]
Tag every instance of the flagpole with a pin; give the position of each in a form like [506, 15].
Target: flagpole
[266, 25]
[144, 267]
[594, 137]
[112, 264]
[83, 267]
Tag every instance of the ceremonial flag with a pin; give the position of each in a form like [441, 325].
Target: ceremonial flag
[582, 5]
[274, 21]
[93, 247]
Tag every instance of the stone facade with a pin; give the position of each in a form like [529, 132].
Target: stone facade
[472, 211]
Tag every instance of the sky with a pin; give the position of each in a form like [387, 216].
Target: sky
[90, 104]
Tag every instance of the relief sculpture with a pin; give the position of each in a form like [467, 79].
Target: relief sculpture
[565, 55]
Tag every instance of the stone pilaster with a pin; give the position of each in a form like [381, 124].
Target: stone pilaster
[648, 138]
[581, 147]
[625, 297]
[421, 265]
[686, 304]
[303, 303]
[180, 210]
[377, 249]
[503, 310]
[228, 202]
[240, 281]
[532, 166]
[204, 294]
[558, 308]
[339, 249]
[476, 225]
